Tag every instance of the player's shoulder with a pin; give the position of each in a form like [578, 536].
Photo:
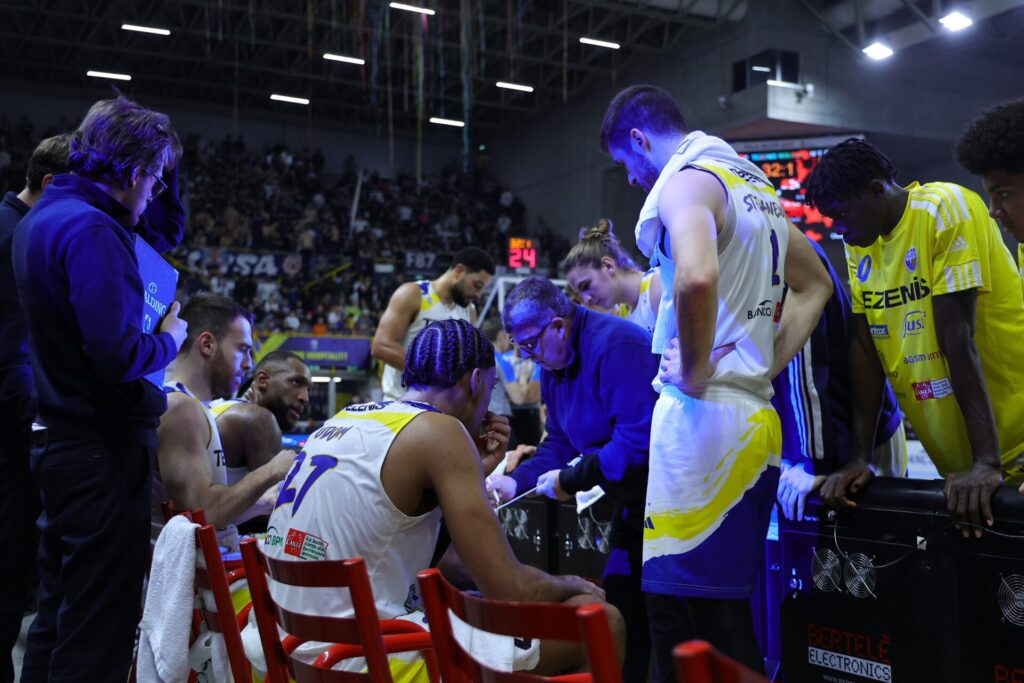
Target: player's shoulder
[948, 202]
[245, 412]
[183, 410]
[433, 435]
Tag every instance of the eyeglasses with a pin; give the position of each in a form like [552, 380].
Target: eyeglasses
[535, 346]
[158, 187]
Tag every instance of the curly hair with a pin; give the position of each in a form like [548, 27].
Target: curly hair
[994, 140]
[596, 243]
[443, 352]
[119, 135]
[845, 170]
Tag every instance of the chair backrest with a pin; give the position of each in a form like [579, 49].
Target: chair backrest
[587, 624]
[698, 662]
[363, 629]
[169, 509]
[211, 576]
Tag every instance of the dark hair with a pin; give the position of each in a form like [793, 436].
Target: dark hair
[208, 312]
[994, 140]
[596, 243]
[277, 357]
[474, 259]
[116, 137]
[443, 352]
[535, 300]
[640, 106]
[847, 169]
[50, 157]
[491, 328]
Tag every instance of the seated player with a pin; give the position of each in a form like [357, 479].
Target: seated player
[375, 481]
[250, 427]
[815, 407]
[993, 147]
[191, 470]
[937, 308]
[606, 278]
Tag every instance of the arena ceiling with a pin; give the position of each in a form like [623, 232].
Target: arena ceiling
[235, 53]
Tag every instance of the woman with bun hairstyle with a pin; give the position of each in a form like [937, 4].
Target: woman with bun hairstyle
[606, 279]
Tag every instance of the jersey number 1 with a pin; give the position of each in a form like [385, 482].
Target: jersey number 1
[776, 280]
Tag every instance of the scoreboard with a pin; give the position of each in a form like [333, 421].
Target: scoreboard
[522, 253]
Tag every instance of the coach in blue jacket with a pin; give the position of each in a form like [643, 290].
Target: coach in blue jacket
[81, 294]
[596, 383]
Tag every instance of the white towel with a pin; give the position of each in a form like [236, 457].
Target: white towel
[164, 631]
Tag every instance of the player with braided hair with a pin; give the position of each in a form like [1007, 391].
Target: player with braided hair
[375, 482]
[993, 147]
[607, 278]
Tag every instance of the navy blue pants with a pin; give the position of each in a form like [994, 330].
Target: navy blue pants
[19, 508]
[622, 585]
[93, 554]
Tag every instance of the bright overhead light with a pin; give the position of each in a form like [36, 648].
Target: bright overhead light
[955, 21]
[289, 98]
[412, 8]
[146, 29]
[447, 122]
[600, 43]
[343, 58]
[762, 69]
[878, 51]
[515, 86]
[107, 74]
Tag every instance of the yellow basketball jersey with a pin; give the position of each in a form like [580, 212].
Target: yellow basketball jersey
[944, 243]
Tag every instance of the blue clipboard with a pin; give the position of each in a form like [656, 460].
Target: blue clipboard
[159, 285]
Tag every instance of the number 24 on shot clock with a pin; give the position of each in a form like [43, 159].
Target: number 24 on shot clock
[522, 253]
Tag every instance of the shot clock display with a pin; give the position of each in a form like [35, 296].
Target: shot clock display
[522, 253]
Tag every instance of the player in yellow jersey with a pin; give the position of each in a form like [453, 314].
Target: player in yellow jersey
[993, 147]
[937, 307]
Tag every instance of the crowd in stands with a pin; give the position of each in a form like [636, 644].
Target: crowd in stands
[282, 200]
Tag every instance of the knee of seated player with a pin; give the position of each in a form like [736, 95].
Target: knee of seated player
[616, 621]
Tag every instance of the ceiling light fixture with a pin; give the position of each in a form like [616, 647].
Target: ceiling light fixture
[411, 8]
[600, 43]
[515, 86]
[107, 74]
[956, 21]
[762, 69]
[447, 122]
[878, 51]
[145, 29]
[343, 58]
[289, 98]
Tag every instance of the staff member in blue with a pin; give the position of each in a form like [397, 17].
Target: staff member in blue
[595, 381]
[81, 294]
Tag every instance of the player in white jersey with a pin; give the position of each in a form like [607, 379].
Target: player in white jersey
[376, 479]
[416, 304]
[713, 223]
[190, 468]
[251, 426]
[607, 279]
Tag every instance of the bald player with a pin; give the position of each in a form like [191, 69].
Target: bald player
[414, 305]
[251, 426]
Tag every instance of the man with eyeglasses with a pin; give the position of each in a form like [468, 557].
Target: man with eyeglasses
[595, 382]
[82, 298]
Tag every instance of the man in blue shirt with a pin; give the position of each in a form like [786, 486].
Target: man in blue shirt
[595, 382]
[81, 294]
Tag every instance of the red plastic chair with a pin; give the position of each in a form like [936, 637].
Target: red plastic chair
[546, 621]
[698, 662]
[362, 635]
[214, 578]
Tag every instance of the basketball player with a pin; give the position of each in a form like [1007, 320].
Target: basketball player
[937, 303]
[993, 147]
[713, 223]
[415, 304]
[191, 470]
[374, 482]
[250, 427]
[606, 278]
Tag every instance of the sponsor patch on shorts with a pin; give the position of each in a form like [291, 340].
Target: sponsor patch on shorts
[305, 546]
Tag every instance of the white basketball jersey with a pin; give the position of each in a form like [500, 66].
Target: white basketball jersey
[333, 506]
[218, 407]
[227, 536]
[643, 315]
[751, 254]
[432, 309]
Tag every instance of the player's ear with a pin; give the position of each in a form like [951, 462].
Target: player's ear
[475, 380]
